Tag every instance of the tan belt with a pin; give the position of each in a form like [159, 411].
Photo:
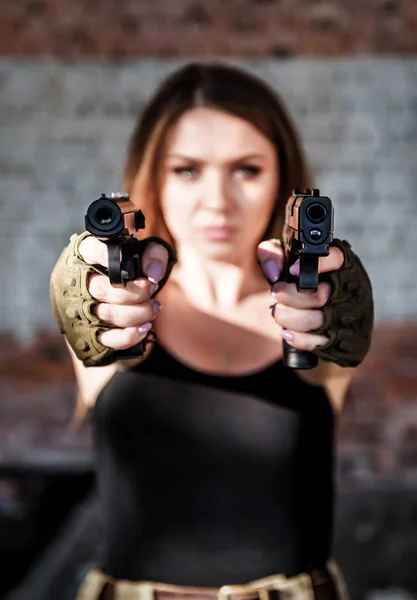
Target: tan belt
[305, 586]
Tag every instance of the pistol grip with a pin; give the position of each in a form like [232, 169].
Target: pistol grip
[138, 350]
[298, 359]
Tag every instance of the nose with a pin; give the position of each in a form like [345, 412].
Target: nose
[217, 193]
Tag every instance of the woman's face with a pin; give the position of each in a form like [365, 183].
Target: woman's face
[219, 184]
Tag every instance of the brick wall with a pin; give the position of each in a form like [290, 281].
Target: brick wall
[64, 130]
[68, 102]
[165, 28]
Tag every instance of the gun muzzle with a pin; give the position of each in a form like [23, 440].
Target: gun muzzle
[316, 213]
[114, 216]
[104, 218]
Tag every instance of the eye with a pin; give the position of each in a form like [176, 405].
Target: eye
[248, 171]
[186, 172]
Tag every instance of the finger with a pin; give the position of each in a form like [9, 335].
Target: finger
[121, 339]
[295, 319]
[287, 293]
[303, 341]
[127, 316]
[135, 292]
[332, 262]
[271, 258]
[155, 261]
[93, 251]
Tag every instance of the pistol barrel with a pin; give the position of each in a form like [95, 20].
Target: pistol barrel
[113, 216]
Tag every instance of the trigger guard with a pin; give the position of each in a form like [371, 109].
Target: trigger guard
[115, 268]
[138, 350]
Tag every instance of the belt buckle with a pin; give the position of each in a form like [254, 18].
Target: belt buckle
[259, 587]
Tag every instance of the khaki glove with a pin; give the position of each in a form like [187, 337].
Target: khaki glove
[72, 303]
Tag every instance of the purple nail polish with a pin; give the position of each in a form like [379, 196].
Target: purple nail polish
[145, 328]
[154, 272]
[152, 288]
[272, 270]
[156, 306]
[295, 269]
[287, 335]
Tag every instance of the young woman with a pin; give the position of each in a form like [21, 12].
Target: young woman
[214, 459]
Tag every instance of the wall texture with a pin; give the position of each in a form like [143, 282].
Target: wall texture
[72, 82]
[65, 128]
[166, 28]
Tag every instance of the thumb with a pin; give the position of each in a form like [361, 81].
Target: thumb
[271, 258]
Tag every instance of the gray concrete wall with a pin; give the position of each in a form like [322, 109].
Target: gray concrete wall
[63, 134]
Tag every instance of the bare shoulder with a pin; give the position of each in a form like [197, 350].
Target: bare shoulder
[335, 380]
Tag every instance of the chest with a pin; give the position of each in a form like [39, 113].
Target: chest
[174, 422]
[242, 342]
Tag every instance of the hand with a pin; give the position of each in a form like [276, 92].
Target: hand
[297, 312]
[129, 310]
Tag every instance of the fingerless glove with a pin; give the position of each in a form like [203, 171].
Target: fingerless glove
[348, 313]
[72, 305]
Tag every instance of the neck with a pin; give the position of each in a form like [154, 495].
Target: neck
[217, 285]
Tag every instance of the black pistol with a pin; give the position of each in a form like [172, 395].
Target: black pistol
[114, 219]
[308, 231]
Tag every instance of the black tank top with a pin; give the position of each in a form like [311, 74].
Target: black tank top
[208, 480]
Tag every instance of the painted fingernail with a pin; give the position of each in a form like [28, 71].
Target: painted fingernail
[156, 306]
[154, 272]
[295, 268]
[287, 335]
[152, 288]
[145, 328]
[272, 270]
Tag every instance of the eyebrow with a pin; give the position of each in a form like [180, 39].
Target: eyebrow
[235, 160]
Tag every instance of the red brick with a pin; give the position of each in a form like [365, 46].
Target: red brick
[253, 28]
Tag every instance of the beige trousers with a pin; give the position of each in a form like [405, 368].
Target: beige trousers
[295, 588]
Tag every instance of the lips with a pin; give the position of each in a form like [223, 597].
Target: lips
[219, 232]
